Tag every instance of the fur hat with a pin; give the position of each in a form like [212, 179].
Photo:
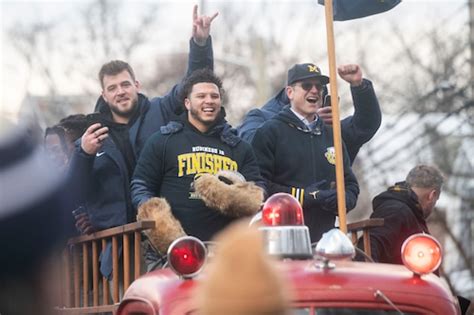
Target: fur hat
[229, 193]
[241, 279]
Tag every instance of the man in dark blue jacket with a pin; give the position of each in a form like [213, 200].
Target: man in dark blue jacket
[295, 150]
[106, 155]
[356, 130]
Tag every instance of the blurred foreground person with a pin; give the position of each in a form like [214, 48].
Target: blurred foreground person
[241, 279]
[32, 212]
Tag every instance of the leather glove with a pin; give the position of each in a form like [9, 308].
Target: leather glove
[315, 194]
[331, 202]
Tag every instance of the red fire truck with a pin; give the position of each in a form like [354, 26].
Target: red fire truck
[323, 279]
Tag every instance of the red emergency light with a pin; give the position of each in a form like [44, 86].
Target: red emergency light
[282, 209]
[186, 256]
[421, 253]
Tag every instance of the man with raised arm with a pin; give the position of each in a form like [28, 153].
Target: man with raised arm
[106, 155]
[295, 151]
[356, 129]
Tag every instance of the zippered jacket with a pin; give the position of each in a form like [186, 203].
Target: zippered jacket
[291, 157]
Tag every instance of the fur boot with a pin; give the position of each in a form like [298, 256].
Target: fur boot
[229, 193]
[167, 228]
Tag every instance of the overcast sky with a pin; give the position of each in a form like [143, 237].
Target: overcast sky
[13, 71]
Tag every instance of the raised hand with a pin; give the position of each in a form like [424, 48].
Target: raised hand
[201, 26]
[350, 73]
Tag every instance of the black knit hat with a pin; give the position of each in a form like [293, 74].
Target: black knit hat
[304, 71]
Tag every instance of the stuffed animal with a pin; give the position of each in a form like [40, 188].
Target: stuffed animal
[167, 227]
[229, 193]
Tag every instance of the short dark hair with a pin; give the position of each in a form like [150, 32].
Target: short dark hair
[205, 75]
[425, 176]
[114, 67]
[75, 125]
[69, 129]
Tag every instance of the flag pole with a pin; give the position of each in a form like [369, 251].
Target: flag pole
[336, 122]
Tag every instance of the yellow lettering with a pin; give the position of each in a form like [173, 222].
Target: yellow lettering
[181, 164]
[202, 162]
[209, 163]
[193, 162]
[217, 163]
[201, 167]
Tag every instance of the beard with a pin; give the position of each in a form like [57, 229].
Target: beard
[125, 113]
[196, 116]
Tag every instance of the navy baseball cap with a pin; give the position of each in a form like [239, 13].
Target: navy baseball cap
[304, 71]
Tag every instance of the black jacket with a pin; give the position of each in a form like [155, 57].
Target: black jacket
[356, 130]
[403, 215]
[291, 158]
[171, 159]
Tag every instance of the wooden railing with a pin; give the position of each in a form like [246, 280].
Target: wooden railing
[76, 274]
[364, 226]
[82, 255]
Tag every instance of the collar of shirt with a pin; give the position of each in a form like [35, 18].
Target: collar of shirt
[309, 124]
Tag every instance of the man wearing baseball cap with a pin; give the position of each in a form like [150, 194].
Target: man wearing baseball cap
[296, 153]
[356, 129]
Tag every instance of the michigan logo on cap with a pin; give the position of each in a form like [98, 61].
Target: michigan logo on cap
[330, 155]
[313, 68]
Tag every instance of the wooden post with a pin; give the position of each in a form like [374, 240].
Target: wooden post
[115, 271]
[85, 274]
[77, 286]
[105, 282]
[126, 261]
[67, 277]
[336, 121]
[95, 273]
[138, 240]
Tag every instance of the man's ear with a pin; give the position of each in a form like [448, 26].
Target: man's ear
[138, 85]
[433, 195]
[187, 103]
[289, 92]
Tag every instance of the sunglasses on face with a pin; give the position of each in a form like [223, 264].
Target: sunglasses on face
[307, 86]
